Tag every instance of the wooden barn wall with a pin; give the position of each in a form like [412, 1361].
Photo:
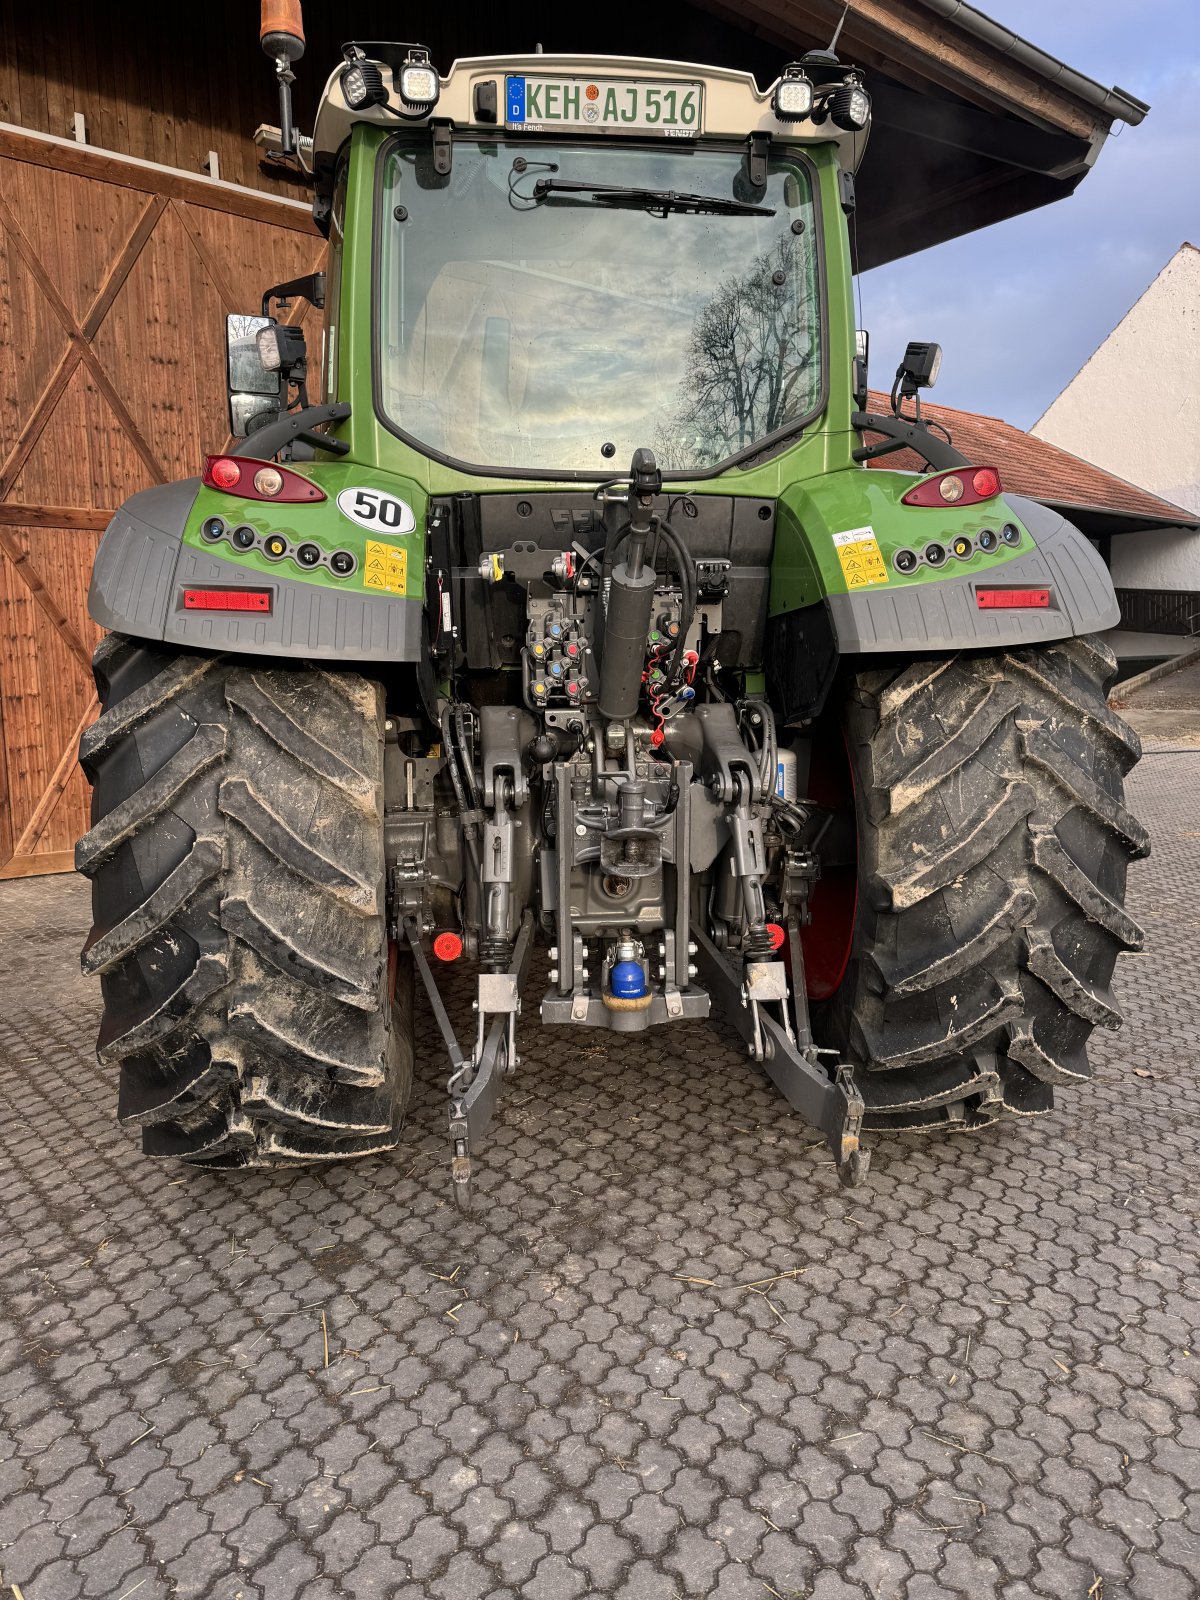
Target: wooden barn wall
[115, 279]
[114, 285]
[169, 82]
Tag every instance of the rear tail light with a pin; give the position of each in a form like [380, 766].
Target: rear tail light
[1012, 599]
[447, 945]
[258, 480]
[965, 486]
[227, 600]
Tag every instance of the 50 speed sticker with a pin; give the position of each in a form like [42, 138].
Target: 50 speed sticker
[860, 557]
[375, 508]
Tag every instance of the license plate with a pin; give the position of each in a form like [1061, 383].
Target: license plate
[613, 105]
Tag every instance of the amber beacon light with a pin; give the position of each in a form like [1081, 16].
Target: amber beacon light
[281, 35]
[282, 30]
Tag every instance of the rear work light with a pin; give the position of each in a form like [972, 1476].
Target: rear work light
[227, 600]
[1012, 599]
[257, 480]
[419, 82]
[965, 486]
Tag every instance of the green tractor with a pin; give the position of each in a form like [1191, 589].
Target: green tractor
[572, 614]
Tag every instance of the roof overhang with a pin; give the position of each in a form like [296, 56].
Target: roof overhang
[971, 122]
[1099, 521]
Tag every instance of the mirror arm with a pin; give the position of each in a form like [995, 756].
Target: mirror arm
[311, 288]
[901, 433]
[269, 441]
[297, 374]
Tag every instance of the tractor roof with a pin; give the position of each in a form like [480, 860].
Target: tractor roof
[734, 105]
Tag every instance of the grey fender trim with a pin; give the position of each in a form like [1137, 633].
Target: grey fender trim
[142, 567]
[944, 615]
[131, 576]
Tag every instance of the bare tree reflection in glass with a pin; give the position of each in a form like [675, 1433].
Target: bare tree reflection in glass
[752, 360]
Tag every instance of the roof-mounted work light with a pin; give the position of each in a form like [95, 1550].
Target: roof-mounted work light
[793, 97]
[850, 104]
[419, 81]
[838, 93]
[362, 85]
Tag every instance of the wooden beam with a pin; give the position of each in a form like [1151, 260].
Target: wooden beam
[129, 172]
[33, 265]
[53, 793]
[122, 265]
[36, 422]
[14, 514]
[898, 37]
[124, 416]
[908, 28]
[38, 866]
[215, 276]
[31, 578]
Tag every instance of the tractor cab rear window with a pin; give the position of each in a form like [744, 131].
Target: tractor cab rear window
[552, 307]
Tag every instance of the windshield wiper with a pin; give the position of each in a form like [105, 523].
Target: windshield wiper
[661, 201]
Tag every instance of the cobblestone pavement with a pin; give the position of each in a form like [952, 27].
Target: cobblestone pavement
[1166, 710]
[671, 1359]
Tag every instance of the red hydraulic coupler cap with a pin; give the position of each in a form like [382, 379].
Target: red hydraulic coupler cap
[447, 946]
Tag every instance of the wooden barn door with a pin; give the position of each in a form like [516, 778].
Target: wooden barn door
[115, 278]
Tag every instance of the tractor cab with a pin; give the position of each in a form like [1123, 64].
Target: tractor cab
[571, 258]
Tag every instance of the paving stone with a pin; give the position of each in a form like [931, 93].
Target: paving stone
[895, 1425]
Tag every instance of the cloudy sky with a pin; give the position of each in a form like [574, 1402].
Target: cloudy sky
[1019, 307]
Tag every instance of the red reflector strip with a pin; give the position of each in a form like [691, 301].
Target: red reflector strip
[1012, 599]
[227, 600]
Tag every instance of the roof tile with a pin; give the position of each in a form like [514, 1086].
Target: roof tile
[1032, 466]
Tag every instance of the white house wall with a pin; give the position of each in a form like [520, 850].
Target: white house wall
[1134, 409]
[1167, 558]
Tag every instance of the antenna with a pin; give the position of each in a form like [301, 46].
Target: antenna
[837, 32]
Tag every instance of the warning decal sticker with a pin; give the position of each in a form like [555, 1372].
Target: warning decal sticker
[858, 552]
[386, 567]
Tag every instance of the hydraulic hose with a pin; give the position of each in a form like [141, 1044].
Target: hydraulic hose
[463, 781]
[768, 752]
[686, 567]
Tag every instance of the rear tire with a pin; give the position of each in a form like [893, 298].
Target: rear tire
[993, 845]
[238, 897]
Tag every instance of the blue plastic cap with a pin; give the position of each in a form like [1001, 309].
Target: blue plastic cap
[629, 981]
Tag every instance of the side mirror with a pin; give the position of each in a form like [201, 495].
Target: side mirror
[862, 350]
[255, 397]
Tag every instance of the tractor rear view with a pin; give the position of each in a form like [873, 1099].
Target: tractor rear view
[572, 614]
